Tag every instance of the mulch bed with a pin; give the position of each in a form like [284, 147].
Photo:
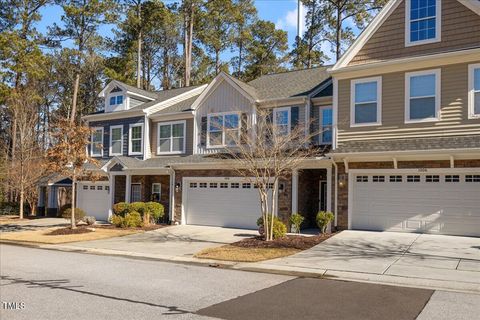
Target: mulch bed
[144, 228]
[66, 231]
[291, 241]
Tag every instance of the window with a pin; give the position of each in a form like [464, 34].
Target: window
[362, 178]
[116, 141]
[135, 145]
[474, 91]
[107, 188]
[136, 192]
[235, 185]
[378, 178]
[282, 120]
[156, 191]
[92, 187]
[171, 137]
[193, 184]
[223, 185]
[422, 22]
[246, 185]
[223, 129]
[213, 185]
[434, 178]
[326, 121]
[395, 178]
[413, 178]
[116, 100]
[472, 178]
[85, 187]
[422, 96]
[203, 184]
[96, 149]
[366, 102]
[99, 188]
[452, 178]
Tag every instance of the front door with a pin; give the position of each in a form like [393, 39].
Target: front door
[323, 196]
[136, 192]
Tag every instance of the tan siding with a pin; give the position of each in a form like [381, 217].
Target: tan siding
[188, 133]
[453, 115]
[460, 30]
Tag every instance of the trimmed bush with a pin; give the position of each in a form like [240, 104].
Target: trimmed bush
[296, 221]
[139, 207]
[132, 220]
[323, 219]
[155, 210]
[121, 208]
[279, 228]
[9, 208]
[117, 220]
[89, 220]
[79, 214]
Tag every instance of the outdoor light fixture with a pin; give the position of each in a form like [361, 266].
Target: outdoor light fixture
[178, 187]
[342, 179]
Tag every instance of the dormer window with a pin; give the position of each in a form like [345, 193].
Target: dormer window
[116, 100]
[422, 21]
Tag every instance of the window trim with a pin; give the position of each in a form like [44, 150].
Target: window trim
[438, 83]
[160, 192]
[353, 83]
[289, 110]
[132, 125]
[223, 114]
[320, 125]
[110, 153]
[471, 91]
[438, 25]
[171, 123]
[94, 130]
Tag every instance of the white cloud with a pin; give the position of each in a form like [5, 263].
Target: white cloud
[289, 21]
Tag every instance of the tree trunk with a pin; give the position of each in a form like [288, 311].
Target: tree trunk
[188, 43]
[73, 222]
[75, 97]
[22, 200]
[139, 43]
[338, 35]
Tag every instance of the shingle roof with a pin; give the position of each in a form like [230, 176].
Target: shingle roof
[162, 162]
[142, 92]
[289, 84]
[184, 105]
[164, 95]
[435, 143]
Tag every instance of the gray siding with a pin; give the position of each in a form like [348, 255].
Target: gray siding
[135, 102]
[106, 133]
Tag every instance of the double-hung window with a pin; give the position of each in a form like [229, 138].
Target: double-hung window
[116, 140]
[171, 137]
[422, 96]
[422, 23]
[474, 91]
[114, 100]
[281, 120]
[156, 191]
[223, 129]
[366, 102]
[135, 145]
[326, 120]
[96, 147]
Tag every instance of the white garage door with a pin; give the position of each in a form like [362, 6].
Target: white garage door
[220, 202]
[446, 203]
[94, 199]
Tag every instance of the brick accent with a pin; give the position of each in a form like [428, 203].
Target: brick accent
[284, 198]
[146, 183]
[342, 213]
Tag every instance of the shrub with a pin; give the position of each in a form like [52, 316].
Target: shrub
[279, 228]
[154, 211]
[132, 220]
[121, 208]
[63, 208]
[9, 208]
[323, 219]
[296, 221]
[139, 207]
[117, 220]
[89, 220]
[79, 214]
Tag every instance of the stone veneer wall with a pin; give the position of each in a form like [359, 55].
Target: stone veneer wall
[342, 214]
[284, 198]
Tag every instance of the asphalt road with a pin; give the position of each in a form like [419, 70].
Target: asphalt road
[63, 285]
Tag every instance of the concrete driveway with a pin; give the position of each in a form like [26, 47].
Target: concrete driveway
[375, 255]
[174, 243]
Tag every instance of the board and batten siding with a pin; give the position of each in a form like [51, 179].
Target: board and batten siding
[460, 30]
[453, 109]
[188, 136]
[106, 133]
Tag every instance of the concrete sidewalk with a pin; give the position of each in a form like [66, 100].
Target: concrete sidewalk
[433, 261]
[33, 224]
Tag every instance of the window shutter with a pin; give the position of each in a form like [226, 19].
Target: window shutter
[203, 133]
[244, 127]
[294, 117]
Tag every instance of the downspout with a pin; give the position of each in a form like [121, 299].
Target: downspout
[172, 196]
[335, 190]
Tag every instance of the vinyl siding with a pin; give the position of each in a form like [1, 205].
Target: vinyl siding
[135, 102]
[188, 133]
[453, 114]
[106, 133]
[460, 30]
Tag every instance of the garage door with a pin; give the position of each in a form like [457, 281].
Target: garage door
[94, 199]
[447, 203]
[230, 203]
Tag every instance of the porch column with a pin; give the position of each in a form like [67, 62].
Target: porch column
[329, 189]
[128, 187]
[111, 183]
[294, 191]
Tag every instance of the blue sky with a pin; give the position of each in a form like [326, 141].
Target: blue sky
[281, 12]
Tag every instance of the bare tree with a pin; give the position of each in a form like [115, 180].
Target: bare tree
[68, 157]
[265, 153]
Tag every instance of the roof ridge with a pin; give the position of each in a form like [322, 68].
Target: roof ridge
[290, 71]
